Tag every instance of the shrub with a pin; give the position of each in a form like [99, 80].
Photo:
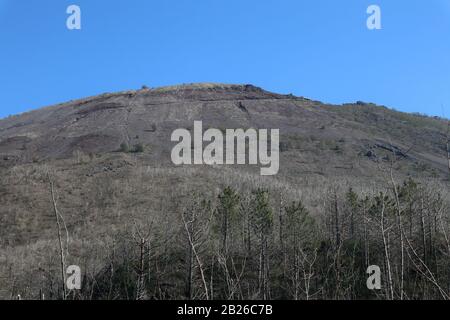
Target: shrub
[284, 146]
[138, 148]
[124, 147]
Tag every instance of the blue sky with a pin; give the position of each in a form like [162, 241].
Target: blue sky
[317, 48]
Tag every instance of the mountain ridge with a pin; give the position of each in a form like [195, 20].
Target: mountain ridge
[100, 124]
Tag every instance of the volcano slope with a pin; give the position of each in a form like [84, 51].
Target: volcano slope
[358, 184]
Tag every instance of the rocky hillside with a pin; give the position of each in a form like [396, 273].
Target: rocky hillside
[317, 138]
[108, 159]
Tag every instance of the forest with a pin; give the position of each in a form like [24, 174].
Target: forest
[241, 246]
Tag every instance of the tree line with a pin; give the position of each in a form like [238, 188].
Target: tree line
[257, 245]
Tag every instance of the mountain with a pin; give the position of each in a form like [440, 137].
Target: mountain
[108, 160]
[315, 137]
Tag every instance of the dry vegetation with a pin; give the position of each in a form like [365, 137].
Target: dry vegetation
[141, 232]
[89, 183]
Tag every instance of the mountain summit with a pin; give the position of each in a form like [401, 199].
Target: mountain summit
[315, 137]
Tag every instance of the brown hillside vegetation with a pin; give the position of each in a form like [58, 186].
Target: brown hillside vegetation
[359, 185]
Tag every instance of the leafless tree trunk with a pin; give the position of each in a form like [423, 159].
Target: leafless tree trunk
[386, 250]
[190, 233]
[366, 242]
[60, 241]
[336, 220]
[143, 241]
[400, 230]
[140, 287]
[308, 273]
[428, 274]
[424, 236]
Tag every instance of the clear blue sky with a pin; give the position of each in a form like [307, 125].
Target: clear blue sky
[317, 48]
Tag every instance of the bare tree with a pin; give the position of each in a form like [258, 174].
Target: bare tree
[384, 229]
[59, 220]
[195, 233]
[142, 239]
